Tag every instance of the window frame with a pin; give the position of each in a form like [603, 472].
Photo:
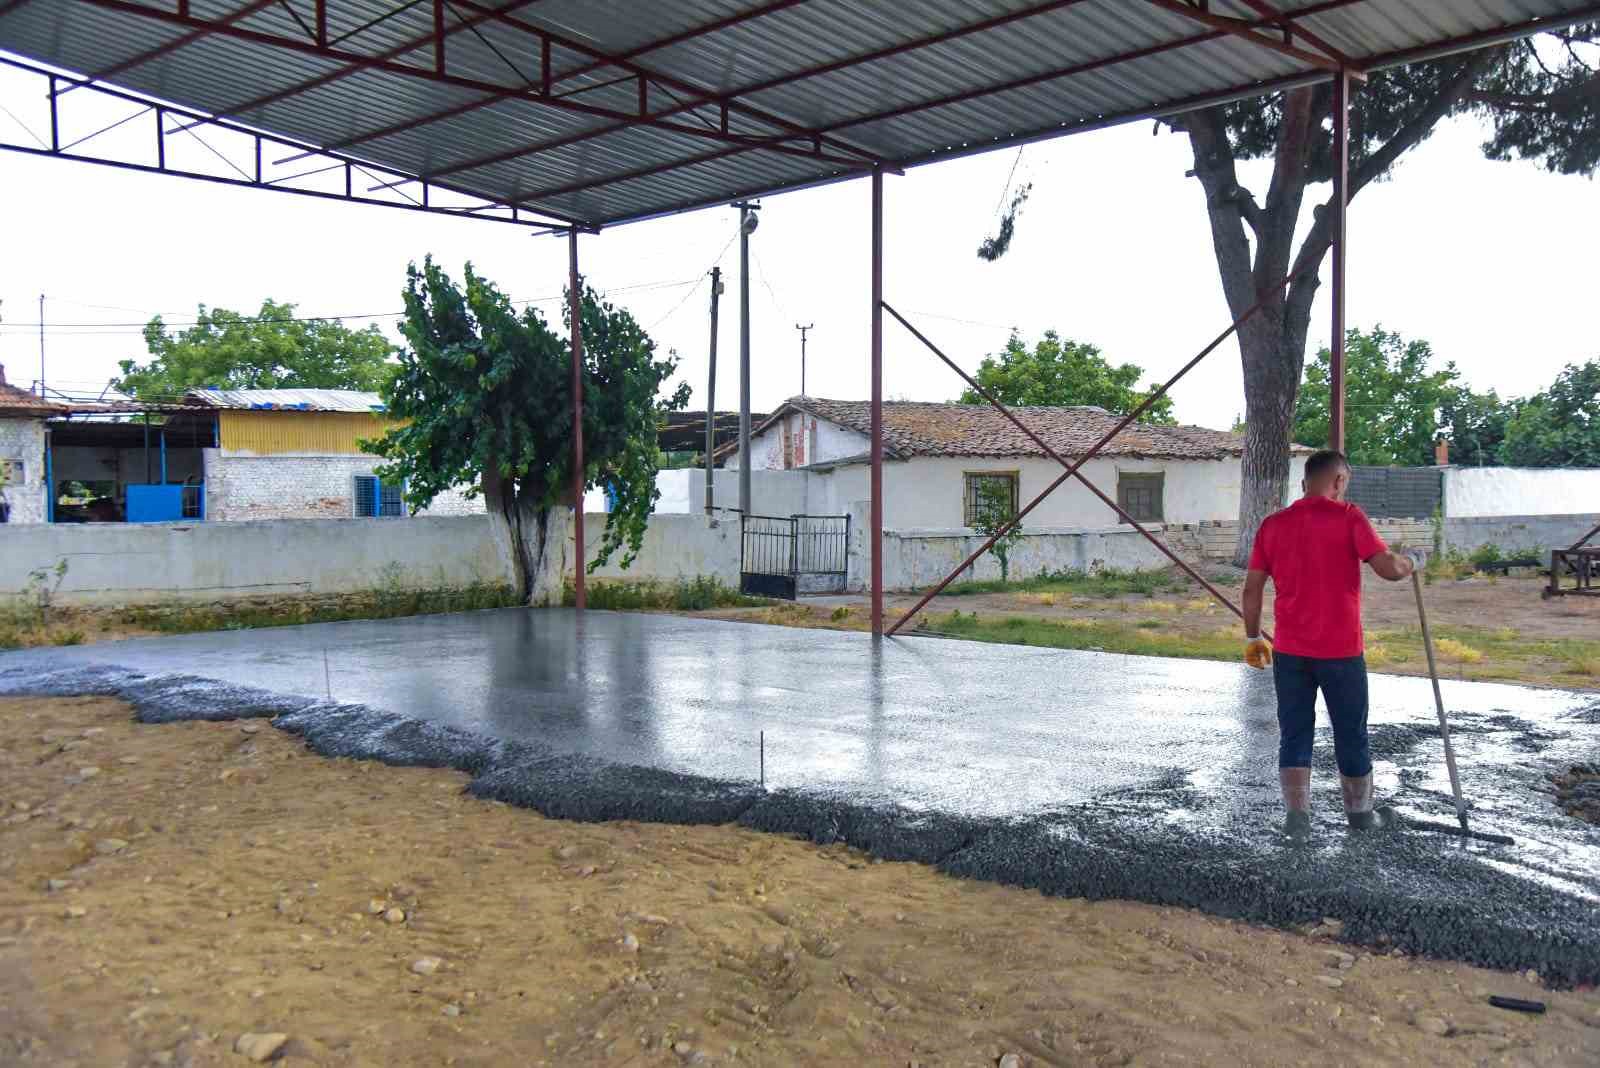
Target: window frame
[969, 492]
[1141, 481]
[380, 489]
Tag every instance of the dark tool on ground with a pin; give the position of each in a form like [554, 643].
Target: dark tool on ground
[1444, 733]
[1516, 1004]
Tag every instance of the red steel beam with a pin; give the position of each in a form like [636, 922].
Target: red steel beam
[1290, 26]
[1058, 458]
[1094, 450]
[460, 82]
[356, 68]
[1246, 31]
[1339, 206]
[704, 95]
[876, 416]
[575, 304]
[172, 46]
[677, 38]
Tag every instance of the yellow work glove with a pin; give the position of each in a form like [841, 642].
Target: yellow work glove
[1258, 653]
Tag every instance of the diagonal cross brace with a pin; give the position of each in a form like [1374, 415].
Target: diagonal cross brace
[1093, 451]
[1058, 458]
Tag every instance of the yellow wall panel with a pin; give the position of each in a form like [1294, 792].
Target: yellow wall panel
[263, 433]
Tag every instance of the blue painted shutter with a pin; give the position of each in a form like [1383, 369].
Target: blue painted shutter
[366, 496]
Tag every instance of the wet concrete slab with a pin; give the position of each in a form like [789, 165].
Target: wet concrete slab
[1080, 773]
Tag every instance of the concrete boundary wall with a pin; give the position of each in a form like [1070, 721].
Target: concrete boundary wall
[126, 563]
[1517, 534]
[1476, 492]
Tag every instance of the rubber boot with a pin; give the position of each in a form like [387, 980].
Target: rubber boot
[1295, 783]
[1359, 810]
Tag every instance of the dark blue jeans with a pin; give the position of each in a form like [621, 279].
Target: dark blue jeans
[1343, 683]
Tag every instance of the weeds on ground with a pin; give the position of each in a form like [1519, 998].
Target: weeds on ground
[841, 614]
[387, 602]
[1104, 582]
[1584, 665]
[1099, 635]
[1460, 652]
[683, 595]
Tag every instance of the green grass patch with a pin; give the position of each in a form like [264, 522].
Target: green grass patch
[683, 595]
[389, 602]
[1102, 582]
[1106, 636]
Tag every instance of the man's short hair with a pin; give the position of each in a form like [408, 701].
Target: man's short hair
[1325, 462]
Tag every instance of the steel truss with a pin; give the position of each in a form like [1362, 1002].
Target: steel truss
[256, 171]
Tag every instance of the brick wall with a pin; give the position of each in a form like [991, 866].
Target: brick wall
[298, 487]
[22, 441]
[1216, 540]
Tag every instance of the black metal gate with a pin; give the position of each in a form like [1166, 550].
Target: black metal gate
[787, 557]
[1396, 492]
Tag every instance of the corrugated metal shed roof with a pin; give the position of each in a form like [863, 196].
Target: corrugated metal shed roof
[601, 113]
[304, 400]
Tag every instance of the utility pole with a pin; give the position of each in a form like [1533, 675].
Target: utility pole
[41, 346]
[711, 395]
[803, 330]
[747, 226]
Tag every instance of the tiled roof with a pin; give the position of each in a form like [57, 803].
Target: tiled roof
[913, 428]
[304, 400]
[14, 401]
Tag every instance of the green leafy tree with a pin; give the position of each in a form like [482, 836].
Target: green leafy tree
[484, 396]
[1541, 100]
[1559, 427]
[1475, 424]
[269, 350]
[1393, 398]
[994, 509]
[1060, 371]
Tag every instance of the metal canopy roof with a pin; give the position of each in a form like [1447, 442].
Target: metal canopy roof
[598, 113]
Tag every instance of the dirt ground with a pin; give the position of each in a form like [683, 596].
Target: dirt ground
[164, 890]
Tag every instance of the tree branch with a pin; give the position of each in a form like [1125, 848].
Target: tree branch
[1227, 204]
[1319, 237]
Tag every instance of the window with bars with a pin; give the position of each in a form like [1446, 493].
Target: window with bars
[375, 499]
[983, 489]
[1139, 494]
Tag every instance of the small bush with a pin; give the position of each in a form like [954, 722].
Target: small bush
[841, 614]
[1584, 665]
[1485, 554]
[685, 595]
[1150, 624]
[1460, 652]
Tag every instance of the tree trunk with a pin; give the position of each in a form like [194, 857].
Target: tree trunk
[1273, 347]
[532, 541]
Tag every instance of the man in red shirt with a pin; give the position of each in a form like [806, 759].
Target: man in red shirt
[1313, 551]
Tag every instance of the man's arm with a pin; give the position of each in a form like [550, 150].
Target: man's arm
[1255, 585]
[1391, 565]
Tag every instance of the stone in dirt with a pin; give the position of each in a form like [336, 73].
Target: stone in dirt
[260, 1047]
[394, 916]
[426, 965]
[1010, 1060]
[1330, 981]
[1433, 1025]
[106, 846]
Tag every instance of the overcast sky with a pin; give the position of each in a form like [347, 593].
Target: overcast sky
[1491, 262]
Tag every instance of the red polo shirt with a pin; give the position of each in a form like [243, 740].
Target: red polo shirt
[1314, 550]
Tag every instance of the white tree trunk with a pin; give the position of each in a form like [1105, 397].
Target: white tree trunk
[532, 541]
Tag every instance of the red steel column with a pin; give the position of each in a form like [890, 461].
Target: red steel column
[580, 597]
[1341, 199]
[877, 401]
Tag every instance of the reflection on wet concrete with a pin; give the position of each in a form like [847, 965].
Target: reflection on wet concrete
[1080, 773]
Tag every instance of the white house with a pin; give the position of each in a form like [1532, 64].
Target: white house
[937, 456]
[22, 453]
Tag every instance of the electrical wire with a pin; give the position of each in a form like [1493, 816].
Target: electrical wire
[80, 329]
[653, 326]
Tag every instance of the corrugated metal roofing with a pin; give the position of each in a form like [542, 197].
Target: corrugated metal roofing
[739, 97]
[304, 400]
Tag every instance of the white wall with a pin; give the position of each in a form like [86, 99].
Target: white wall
[299, 487]
[675, 546]
[123, 563]
[927, 492]
[819, 441]
[22, 440]
[1505, 491]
